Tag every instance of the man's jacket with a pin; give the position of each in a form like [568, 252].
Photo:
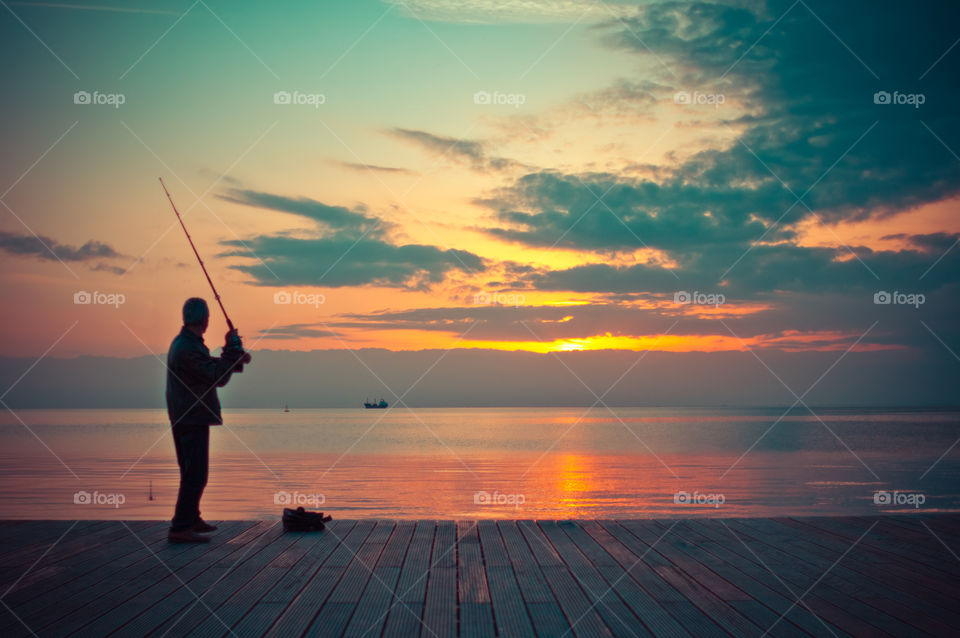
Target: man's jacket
[193, 377]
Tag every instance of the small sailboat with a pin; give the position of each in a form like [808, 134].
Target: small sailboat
[286, 407]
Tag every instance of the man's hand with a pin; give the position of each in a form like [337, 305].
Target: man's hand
[232, 341]
[233, 347]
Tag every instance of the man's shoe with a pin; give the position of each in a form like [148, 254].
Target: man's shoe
[186, 536]
[203, 527]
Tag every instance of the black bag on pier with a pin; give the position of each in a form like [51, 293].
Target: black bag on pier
[300, 520]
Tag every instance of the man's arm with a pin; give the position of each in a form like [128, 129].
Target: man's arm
[206, 372]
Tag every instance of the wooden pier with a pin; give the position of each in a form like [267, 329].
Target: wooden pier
[890, 575]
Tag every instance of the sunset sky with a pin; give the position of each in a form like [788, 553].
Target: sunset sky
[518, 175]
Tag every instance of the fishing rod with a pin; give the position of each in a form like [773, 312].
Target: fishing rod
[190, 239]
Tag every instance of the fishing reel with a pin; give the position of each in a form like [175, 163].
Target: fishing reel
[233, 344]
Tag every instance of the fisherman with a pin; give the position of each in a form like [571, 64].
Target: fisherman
[193, 377]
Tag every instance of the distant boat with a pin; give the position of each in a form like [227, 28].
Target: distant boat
[375, 406]
[286, 408]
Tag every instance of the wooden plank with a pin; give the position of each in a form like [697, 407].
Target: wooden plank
[924, 556]
[47, 585]
[713, 576]
[299, 614]
[532, 584]
[440, 605]
[161, 608]
[542, 606]
[877, 583]
[25, 542]
[896, 576]
[285, 550]
[89, 603]
[509, 612]
[647, 573]
[313, 549]
[615, 567]
[492, 578]
[444, 552]
[763, 586]
[476, 621]
[406, 610]
[471, 577]
[334, 616]
[580, 612]
[72, 544]
[371, 612]
[264, 548]
[784, 566]
[821, 577]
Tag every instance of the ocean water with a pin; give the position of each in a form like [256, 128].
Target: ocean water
[549, 463]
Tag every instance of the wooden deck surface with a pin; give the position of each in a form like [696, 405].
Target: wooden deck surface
[893, 575]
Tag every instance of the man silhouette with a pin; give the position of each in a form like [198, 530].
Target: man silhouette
[193, 377]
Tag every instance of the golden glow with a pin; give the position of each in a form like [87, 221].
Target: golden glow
[574, 479]
[885, 234]
[790, 341]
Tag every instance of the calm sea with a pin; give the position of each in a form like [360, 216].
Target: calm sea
[478, 463]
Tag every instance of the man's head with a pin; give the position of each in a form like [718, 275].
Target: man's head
[196, 314]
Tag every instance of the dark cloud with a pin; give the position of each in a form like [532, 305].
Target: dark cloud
[752, 272]
[372, 167]
[350, 248]
[91, 253]
[296, 331]
[337, 219]
[805, 113]
[471, 152]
